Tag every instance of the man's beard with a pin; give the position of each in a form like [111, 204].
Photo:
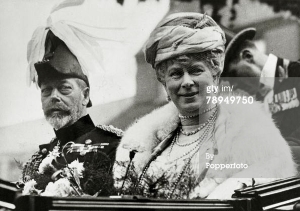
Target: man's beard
[63, 115]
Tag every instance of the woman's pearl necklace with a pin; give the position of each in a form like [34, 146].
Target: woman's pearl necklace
[193, 116]
[201, 126]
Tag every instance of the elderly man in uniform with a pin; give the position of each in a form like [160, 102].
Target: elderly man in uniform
[273, 80]
[65, 99]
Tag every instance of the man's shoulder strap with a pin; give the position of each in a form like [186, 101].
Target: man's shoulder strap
[111, 129]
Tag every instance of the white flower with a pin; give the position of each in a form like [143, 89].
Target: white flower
[77, 166]
[29, 188]
[46, 162]
[55, 153]
[61, 187]
[67, 172]
[158, 168]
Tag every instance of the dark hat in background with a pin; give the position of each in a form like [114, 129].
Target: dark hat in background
[229, 34]
[59, 62]
[235, 42]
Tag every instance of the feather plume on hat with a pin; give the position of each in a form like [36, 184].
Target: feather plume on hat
[79, 44]
[82, 44]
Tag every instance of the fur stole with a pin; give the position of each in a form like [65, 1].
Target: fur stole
[244, 134]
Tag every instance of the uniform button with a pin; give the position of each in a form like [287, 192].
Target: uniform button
[88, 142]
[44, 151]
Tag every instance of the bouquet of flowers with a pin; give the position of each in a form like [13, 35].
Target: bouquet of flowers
[55, 176]
[157, 182]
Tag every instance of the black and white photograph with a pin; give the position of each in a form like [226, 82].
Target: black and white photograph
[150, 105]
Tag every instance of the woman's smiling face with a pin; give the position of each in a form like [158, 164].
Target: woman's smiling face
[186, 81]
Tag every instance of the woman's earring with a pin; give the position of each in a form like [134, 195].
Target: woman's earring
[168, 98]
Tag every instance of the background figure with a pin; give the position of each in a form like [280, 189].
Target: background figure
[65, 98]
[273, 80]
[177, 146]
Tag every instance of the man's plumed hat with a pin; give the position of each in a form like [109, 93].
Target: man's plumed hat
[59, 62]
[236, 41]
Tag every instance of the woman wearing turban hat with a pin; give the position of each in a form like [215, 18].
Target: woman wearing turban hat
[192, 148]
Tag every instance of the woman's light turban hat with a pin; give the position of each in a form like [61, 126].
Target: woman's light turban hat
[183, 33]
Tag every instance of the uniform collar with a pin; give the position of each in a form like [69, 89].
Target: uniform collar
[79, 128]
[268, 72]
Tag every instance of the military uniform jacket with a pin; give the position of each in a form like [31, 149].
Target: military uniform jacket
[81, 132]
[288, 120]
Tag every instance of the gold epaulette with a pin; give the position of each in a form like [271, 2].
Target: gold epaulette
[111, 129]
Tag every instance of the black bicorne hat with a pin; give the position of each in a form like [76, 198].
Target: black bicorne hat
[59, 62]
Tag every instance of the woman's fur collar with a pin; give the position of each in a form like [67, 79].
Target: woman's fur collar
[154, 126]
[244, 133]
[147, 132]
[151, 129]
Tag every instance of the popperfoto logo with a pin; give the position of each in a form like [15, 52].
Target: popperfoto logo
[221, 166]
